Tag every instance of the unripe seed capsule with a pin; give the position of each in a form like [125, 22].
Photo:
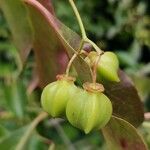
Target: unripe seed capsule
[108, 65]
[89, 109]
[56, 95]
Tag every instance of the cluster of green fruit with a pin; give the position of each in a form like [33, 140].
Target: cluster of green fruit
[86, 108]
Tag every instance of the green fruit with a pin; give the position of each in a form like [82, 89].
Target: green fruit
[56, 94]
[89, 110]
[108, 65]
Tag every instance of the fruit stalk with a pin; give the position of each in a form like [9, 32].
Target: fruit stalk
[84, 36]
[94, 76]
[70, 63]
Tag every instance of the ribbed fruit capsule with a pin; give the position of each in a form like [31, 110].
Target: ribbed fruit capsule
[89, 109]
[56, 95]
[108, 65]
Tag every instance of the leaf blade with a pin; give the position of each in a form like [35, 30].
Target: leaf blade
[59, 44]
[9, 142]
[121, 135]
[17, 19]
[125, 99]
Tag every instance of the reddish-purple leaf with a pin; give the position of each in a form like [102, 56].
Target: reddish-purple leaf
[17, 19]
[121, 135]
[53, 44]
[48, 5]
[125, 99]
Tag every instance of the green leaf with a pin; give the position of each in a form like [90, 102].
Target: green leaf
[9, 142]
[142, 84]
[17, 19]
[126, 59]
[54, 43]
[8, 65]
[15, 96]
[6, 69]
[3, 132]
[125, 99]
[121, 135]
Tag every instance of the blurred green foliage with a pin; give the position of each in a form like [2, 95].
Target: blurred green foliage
[122, 26]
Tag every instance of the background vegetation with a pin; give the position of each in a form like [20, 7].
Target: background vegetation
[120, 26]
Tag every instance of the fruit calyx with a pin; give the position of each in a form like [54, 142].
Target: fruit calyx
[93, 87]
[64, 77]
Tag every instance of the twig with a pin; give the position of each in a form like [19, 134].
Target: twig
[70, 63]
[84, 39]
[63, 135]
[29, 131]
[84, 36]
[52, 146]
